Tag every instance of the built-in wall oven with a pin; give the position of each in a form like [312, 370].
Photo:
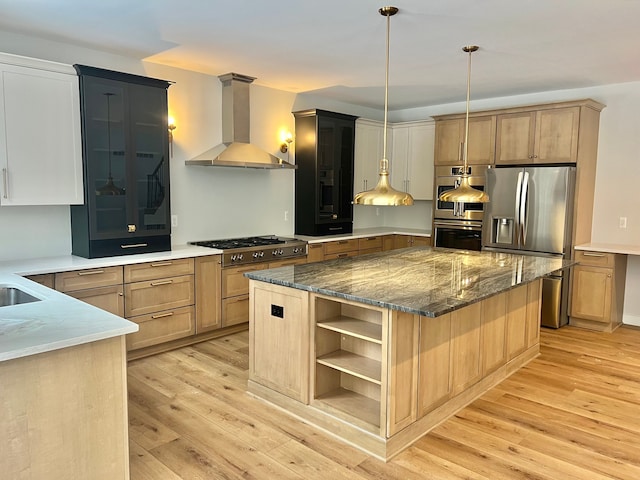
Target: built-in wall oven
[458, 225]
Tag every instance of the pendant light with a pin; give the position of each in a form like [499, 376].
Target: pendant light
[109, 188]
[464, 192]
[384, 194]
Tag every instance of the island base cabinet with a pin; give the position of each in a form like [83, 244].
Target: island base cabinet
[378, 378]
[348, 373]
[58, 422]
[279, 340]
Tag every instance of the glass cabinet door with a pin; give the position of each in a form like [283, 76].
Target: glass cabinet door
[335, 169]
[150, 163]
[106, 154]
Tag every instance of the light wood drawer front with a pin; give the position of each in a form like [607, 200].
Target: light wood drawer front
[341, 255]
[90, 278]
[162, 327]
[597, 259]
[160, 294]
[234, 282]
[235, 310]
[160, 269]
[369, 242]
[284, 263]
[110, 299]
[340, 246]
[365, 251]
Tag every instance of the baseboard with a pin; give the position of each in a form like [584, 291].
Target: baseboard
[631, 320]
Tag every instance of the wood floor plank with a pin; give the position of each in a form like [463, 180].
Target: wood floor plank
[569, 414]
[145, 466]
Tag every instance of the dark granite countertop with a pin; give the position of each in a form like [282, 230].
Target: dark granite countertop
[422, 280]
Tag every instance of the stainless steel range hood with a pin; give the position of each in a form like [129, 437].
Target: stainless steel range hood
[235, 149]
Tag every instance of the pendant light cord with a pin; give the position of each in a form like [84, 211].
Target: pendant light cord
[384, 163]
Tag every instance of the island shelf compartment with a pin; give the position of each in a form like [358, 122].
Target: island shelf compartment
[349, 362]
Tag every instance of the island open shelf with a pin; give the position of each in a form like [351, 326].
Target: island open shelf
[380, 375]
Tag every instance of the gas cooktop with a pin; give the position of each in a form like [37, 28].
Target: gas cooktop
[239, 251]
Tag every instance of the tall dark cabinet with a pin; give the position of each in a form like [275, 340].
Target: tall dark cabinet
[324, 178]
[126, 165]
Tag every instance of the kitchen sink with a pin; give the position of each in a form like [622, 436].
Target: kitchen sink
[14, 296]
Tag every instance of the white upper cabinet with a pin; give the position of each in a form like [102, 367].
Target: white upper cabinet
[412, 158]
[40, 140]
[368, 153]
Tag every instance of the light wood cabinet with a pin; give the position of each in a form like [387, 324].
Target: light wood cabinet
[208, 291]
[46, 279]
[404, 241]
[347, 375]
[542, 136]
[235, 294]
[368, 245]
[392, 374]
[598, 287]
[449, 137]
[435, 378]
[161, 305]
[40, 143]
[100, 287]
[279, 340]
[315, 252]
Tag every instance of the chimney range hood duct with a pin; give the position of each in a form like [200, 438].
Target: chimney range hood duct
[235, 149]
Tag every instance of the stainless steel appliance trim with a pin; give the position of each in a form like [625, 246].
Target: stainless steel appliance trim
[447, 177]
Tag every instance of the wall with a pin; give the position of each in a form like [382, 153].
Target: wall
[217, 202]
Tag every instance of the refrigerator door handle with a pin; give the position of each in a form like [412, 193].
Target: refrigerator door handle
[517, 215]
[523, 207]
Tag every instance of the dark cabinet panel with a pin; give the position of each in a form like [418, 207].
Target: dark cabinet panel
[324, 178]
[126, 166]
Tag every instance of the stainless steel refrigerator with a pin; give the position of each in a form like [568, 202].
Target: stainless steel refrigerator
[530, 212]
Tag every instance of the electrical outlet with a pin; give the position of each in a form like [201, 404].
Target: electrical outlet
[286, 215]
[174, 220]
[623, 222]
[377, 211]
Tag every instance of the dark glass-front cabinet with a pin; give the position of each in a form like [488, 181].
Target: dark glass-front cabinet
[126, 165]
[324, 178]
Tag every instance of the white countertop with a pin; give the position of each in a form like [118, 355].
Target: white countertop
[57, 320]
[610, 248]
[366, 232]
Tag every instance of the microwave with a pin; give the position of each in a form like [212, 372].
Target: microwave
[447, 178]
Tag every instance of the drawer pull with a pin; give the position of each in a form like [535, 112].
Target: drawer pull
[162, 315]
[592, 254]
[90, 272]
[343, 242]
[162, 264]
[342, 255]
[163, 282]
[134, 245]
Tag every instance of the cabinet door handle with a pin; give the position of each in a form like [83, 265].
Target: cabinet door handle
[162, 315]
[593, 254]
[134, 245]
[90, 272]
[5, 184]
[161, 264]
[163, 282]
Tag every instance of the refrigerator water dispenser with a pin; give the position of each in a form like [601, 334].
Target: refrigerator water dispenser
[502, 230]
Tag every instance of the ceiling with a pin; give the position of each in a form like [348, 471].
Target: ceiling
[335, 48]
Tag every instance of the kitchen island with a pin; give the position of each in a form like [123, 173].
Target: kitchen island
[379, 349]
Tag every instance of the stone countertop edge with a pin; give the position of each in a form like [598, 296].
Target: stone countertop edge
[365, 232]
[59, 321]
[421, 285]
[609, 248]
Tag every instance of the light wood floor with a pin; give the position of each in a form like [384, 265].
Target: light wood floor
[573, 413]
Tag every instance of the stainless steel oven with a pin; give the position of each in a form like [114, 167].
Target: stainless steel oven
[461, 234]
[448, 177]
